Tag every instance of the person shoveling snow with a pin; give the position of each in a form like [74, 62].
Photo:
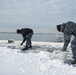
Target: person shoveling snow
[69, 29]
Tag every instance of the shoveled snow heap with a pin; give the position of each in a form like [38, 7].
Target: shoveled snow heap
[43, 59]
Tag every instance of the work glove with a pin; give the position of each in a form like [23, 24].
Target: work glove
[63, 50]
[21, 44]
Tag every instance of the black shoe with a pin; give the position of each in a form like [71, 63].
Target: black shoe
[24, 49]
[30, 47]
[74, 62]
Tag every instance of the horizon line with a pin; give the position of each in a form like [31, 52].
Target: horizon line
[34, 33]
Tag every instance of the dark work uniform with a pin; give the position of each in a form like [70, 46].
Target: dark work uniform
[27, 35]
[69, 29]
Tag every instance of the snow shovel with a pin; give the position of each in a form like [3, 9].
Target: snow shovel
[60, 55]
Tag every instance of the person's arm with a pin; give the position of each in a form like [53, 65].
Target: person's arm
[24, 39]
[66, 41]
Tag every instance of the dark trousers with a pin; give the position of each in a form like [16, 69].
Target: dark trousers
[28, 39]
[73, 46]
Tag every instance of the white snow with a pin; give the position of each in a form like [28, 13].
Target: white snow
[45, 58]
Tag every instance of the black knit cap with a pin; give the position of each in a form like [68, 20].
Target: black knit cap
[58, 27]
[18, 31]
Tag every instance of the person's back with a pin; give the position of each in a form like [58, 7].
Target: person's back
[26, 31]
[70, 28]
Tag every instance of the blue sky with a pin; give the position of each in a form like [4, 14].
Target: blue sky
[40, 15]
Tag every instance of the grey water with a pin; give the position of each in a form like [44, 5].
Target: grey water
[44, 37]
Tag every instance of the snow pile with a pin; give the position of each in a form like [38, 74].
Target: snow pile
[41, 60]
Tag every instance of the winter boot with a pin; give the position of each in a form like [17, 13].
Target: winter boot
[30, 47]
[26, 48]
[74, 62]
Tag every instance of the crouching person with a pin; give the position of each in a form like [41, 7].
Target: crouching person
[69, 29]
[27, 35]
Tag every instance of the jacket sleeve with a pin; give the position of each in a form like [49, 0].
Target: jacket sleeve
[24, 39]
[66, 41]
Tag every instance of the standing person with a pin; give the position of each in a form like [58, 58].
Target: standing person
[27, 35]
[68, 29]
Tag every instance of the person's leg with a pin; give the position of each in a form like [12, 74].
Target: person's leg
[73, 46]
[28, 40]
